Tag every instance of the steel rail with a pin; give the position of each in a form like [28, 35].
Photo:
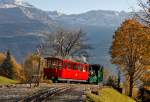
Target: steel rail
[43, 95]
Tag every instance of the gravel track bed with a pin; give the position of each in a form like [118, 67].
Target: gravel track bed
[13, 93]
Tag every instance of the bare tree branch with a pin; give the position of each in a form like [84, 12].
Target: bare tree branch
[67, 43]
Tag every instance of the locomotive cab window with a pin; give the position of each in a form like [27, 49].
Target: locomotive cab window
[84, 69]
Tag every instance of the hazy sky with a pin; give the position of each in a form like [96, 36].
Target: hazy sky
[78, 6]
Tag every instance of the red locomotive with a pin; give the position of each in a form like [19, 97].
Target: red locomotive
[66, 70]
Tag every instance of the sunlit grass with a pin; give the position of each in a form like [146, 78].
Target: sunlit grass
[108, 95]
[4, 80]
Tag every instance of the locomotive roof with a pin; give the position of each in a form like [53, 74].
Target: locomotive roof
[96, 66]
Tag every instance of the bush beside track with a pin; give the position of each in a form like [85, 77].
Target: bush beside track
[108, 95]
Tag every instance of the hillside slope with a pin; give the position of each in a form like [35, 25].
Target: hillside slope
[108, 95]
[4, 80]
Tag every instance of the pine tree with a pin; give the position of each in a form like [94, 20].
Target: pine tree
[6, 69]
[111, 81]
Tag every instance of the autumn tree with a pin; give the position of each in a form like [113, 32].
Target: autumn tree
[9, 64]
[6, 69]
[31, 65]
[130, 50]
[18, 70]
[2, 57]
[66, 43]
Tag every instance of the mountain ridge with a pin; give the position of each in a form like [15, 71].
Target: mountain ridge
[22, 27]
[14, 3]
[94, 17]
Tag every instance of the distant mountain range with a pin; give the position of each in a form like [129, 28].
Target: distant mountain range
[90, 18]
[22, 25]
[99, 25]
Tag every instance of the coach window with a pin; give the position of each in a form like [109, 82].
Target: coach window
[80, 67]
[69, 66]
[74, 67]
[62, 64]
[46, 63]
[49, 64]
[59, 64]
[65, 65]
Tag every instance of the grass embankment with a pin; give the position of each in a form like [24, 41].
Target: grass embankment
[108, 95]
[4, 80]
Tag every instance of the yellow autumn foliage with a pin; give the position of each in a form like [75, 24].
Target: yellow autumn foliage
[130, 50]
[17, 68]
[31, 65]
[2, 57]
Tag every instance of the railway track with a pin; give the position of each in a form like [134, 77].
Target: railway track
[44, 94]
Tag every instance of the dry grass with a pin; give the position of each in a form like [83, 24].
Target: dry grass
[108, 95]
